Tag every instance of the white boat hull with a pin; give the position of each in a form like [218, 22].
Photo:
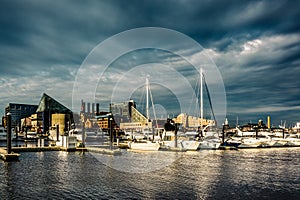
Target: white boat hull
[252, 142]
[276, 142]
[292, 142]
[209, 144]
[144, 146]
[188, 145]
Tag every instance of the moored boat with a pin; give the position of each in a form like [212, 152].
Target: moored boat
[144, 145]
[211, 138]
[3, 133]
[210, 143]
[292, 140]
[183, 142]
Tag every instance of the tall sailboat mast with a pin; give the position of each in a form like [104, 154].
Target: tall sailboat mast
[147, 98]
[201, 97]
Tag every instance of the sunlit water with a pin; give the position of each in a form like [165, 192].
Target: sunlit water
[242, 174]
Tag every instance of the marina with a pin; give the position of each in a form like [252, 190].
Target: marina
[52, 126]
[100, 146]
[109, 133]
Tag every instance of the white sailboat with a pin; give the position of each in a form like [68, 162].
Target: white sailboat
[145, 145]
[211, 140]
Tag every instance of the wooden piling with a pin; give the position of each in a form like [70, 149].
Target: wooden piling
[57, 132]
[176, 140]
[223, 134]
[8, 136]
[7, 154]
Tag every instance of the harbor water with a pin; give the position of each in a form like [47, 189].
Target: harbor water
[242, 174]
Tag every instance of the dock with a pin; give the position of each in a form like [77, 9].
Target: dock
[8, 156]
[172, 149]
[107, 151]
[228, 148]
[101, 150]
[36, 149]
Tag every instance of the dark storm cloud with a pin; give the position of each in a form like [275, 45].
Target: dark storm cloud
[36, 35]
[49, 32]
[255, 44]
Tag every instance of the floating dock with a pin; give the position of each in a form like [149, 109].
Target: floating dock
[108, 151]
[36, 149]
[8, 156]
[228, 148]
[58, 148]
[173, 149]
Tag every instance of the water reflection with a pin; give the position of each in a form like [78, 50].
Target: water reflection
[138, 162]
[243, 174]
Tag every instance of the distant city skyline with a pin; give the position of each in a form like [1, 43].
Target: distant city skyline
[254, 44]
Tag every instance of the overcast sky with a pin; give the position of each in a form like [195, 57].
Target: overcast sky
[254, 44]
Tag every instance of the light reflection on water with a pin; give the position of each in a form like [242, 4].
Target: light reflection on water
[243, 174]
[138, 162]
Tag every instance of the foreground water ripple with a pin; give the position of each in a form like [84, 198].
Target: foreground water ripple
[243, 174]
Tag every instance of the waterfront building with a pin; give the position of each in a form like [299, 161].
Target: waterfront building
[36, 121]
[138, 121]
[191, 122]
[19, 111]
[253, 126]
[123, 115]
[63, 120]
[103, 120]
[122, 112]
[88, 109]
[89, 116]
[50, 109]
[32, 123]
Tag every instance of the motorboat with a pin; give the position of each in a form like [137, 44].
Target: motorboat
[210, 143]
[211, 140]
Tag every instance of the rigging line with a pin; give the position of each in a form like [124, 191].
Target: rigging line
[198, 98]
[209, 99]
[141, 101]
[154, 113]
[195, 98]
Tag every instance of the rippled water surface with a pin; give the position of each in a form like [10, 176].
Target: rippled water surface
[242, 174]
